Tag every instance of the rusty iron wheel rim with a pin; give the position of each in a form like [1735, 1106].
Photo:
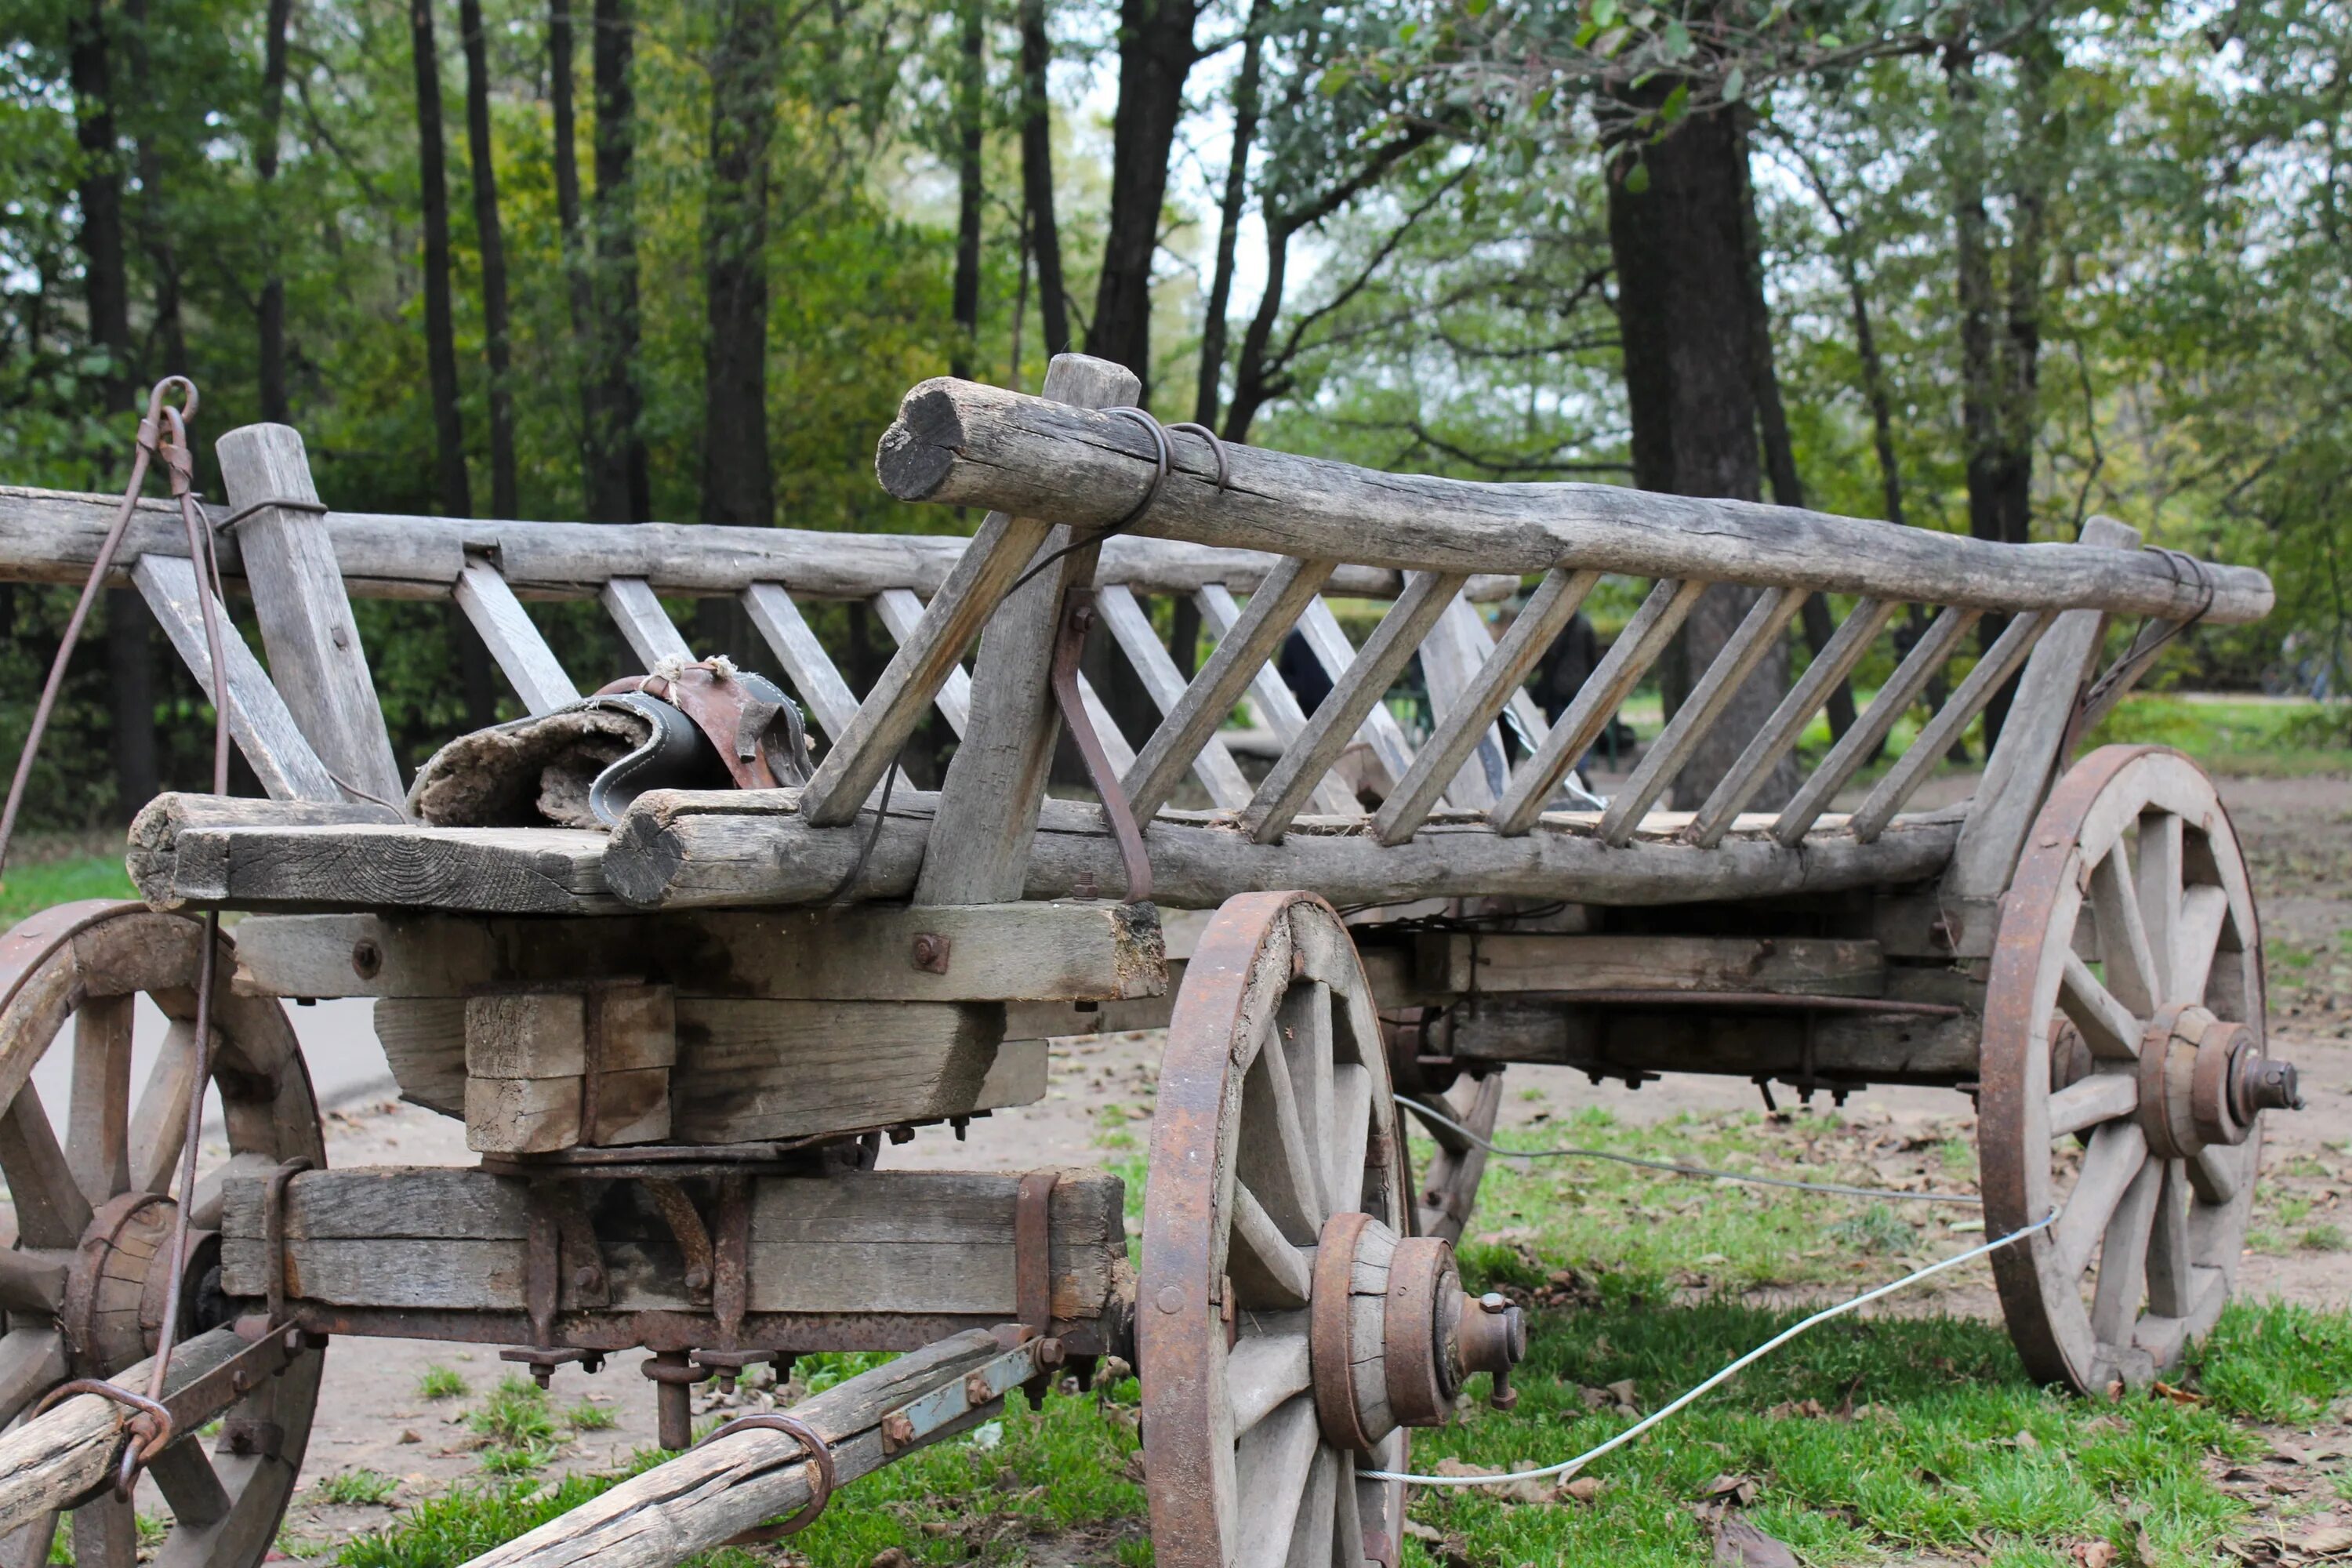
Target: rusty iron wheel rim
[1272, 970]
[88, 962]
[2144, 1263]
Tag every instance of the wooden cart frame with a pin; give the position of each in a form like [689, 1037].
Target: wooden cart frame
[679, 1046]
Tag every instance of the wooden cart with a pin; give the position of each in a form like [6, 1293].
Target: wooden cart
[679, 1046]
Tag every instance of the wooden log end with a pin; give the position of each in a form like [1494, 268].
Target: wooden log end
[919, 449]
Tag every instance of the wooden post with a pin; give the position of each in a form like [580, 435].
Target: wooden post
[306, 628]
[988, 803]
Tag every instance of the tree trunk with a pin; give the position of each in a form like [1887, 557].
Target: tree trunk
[271, 326]
[167, 340]
[488, 236]
[1229, 219]
[971, 95]
[1155, 55]
[1037, 177]
[1684, 303]
[455, 493]
[1253, 386]
[619, 489]
[1985, 460]
[738, 481]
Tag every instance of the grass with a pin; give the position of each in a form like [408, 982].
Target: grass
[355, 1489]
[440, 1383]
[32, 885]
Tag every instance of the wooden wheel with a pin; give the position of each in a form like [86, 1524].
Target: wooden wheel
[2124, 1072]
[89, 1207]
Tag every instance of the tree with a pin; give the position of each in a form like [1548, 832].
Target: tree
[455, 493]
[270, 317]
[1038, 178]
[738, 481]
[492, 247]
[1155, 55]
[1230, 213]
[971, 124]
[619, 486]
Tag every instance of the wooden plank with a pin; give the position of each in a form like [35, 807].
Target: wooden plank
[1757, 634]
[304, 613]
[530, 664]
[1450, 661]
[900, 612]
[1936, 737]
[1853, 640]
[1850, 1048]
[1337, 719]
[1335, 653]
[959, 444]
[988, 800]
[1548, 610]
[509, 870]
[1873, 725]
[258, 720]
[647, 627]
[1046, 952]
[749, 1071]
[831, 705]
[1132, 630]
[1502, 963]
[675, 851]
[1242, 647]
[1596, 702]
[2025, 761]
[1272, 697]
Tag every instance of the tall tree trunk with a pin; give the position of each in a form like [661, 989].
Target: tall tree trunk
[1684, 303]
[1980, 373]
[971, 95]
[1155, 55]
[1229, 219]
[1780, 450]
[167, 339]
[619, 487]
[106, 294]
[738, 481]
[1252, 384]
[455, 492]
[1037, 177]
[488, 236]
[271, 327]
[578, 285]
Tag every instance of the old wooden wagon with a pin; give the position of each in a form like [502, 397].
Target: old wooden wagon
[680, 1040]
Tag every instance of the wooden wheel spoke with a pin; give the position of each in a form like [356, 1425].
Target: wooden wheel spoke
[190, 1485]
[30, 1546]
[1268, 1270]
[33, 1280]
[2123, 1260]
[1262, 1374]
[2131, 973]
[2116, 1153]
[1352, 1134]
[1274, 1158]
[2102, 1097]
[98, 1116]
[2213, 1174]
[2196, 940]
[2110, 1028]
[32, 1361]
[1346, 1517]
[1311, 1536]
[1306, 1026]
[159, 1128]
[2160, 889]
[50, 1208]
[1273, 1462]
[2170, 1288]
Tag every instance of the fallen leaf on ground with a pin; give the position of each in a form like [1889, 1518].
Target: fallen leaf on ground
[1739, 1544]
[2093, 1553]
[1789, 1409]
[2177, 1396]
[2143, 1547]
[1623, 1391]
[1741, 1489]
[1584, 1488]
[2025, 1440]
[2287, 1453]
[1416, 1531]
[889, 1557]
[2333, 1541]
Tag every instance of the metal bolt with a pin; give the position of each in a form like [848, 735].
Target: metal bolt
[897, 1432]
[1494, 1301]
[367, 959]
[697, 1278]
[587, 1276]
[931, 953]
[976, 1390]
[1172, 1299]
[1049, 1353]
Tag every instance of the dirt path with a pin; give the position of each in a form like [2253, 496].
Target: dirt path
[373, 1416]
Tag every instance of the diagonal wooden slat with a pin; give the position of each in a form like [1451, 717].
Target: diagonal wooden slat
[1335, 653]
[1637, 647]
[1779, 734]
[1499, 679]
[900, 612]
[530, 665]
[1455, 650]
[1757, 636]
[647, 627]
[1936, 737]
[1271, 695]
[258, 720]
[807, 665]
[1873, 725]
[1336, 719]
[1133, 631]
[1244, 646]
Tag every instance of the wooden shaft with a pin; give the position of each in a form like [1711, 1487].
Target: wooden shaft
[637, 611]
[1132, 630]
[1846, 648]
[1548, 610]
[1596, 702]
[1757, 636]
[1271, 695]
[1873, 725]
[1936, 737]
[959, 443]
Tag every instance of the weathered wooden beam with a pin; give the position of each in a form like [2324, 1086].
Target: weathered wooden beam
[960, 444]
[1836, 1048]
[522, 654]
[695, 1503]
[975, 953]
[638, 610]
[1133, 631]
[1335, 653]
[897, 1242]
[1505, 962]
[1936, 737]
[807, 666]
[52, 536]
[1270, 695]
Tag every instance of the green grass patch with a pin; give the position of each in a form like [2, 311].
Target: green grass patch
[585, 1416]
[355, 1489]
[440, 1383]
[31, 885]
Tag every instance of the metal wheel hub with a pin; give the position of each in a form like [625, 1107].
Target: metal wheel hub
[112, 1314]
[2203, 1081]
[1393, 1336]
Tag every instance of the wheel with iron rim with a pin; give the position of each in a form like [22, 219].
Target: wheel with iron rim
[81, 1184]
[2124, 1072]
[1274, 1121]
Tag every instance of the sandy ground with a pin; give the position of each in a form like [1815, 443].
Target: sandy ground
[371, 1415]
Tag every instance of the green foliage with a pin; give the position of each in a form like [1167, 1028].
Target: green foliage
[31, 885]
[355, 1489]
[517, 1419]
[440, 1383]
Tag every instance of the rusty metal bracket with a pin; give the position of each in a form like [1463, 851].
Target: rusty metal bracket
[1033, 1261]
[148, 1429]
[273, 1233]
[819, 1455]
[1069, 642]
[731, 1267]
[685, 1222]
